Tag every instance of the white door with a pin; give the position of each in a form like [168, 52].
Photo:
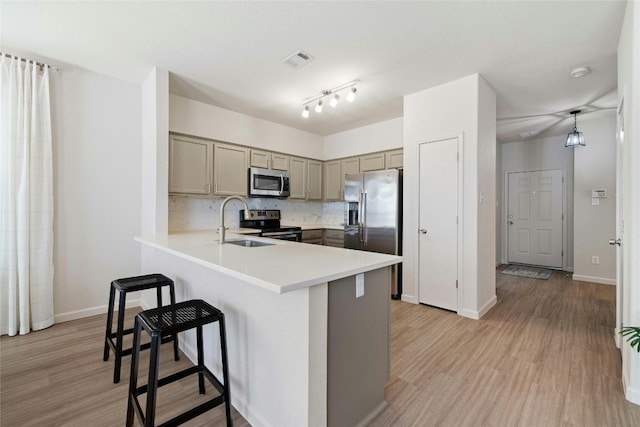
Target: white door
[534, 218]
[438, 224]
[619, 222]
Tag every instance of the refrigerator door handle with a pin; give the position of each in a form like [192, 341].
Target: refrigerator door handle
[364, 216]
[360, 218]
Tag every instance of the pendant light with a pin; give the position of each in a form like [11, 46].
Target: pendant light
[575, 138]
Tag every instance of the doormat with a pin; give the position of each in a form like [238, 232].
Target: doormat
[530, 272]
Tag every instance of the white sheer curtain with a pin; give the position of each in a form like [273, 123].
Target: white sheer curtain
[26, 198]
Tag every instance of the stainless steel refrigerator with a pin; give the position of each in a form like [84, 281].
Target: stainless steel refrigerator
[373, 216]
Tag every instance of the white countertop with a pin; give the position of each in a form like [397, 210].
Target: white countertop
[282, 267]
[322, 226]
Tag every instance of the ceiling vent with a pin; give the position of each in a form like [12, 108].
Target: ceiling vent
[298, 58]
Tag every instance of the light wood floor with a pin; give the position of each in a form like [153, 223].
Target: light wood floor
[543, 356]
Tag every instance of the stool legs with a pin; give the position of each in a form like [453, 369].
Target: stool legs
[176, 353]
[118, 363]
[225, 371]
[133, 379]
[112, 296]
[152, 383]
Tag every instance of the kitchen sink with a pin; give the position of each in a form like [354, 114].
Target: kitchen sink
[249, 243]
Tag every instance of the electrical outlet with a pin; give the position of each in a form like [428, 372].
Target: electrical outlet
[595, 259]
[359, 285]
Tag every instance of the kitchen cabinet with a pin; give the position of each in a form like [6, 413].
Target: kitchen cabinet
[334, 238]
[333, 180]
[230, 170]
[372, 162]
[314, 180]
[350, 165]
[189, 165]
[306, 179]
[313, 237]
[393, 159]
[267, 160]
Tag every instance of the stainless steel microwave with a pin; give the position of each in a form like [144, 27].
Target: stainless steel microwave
[268, 183]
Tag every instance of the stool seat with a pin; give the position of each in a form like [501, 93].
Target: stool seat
[167, 320]
[113, 340]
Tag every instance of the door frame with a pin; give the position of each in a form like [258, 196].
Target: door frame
[619, 222]
[505, 213]
[460, 240]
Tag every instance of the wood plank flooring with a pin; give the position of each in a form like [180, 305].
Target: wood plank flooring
[543, 356]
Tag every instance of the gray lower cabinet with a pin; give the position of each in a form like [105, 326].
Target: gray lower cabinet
[334, 238]
[312, 236]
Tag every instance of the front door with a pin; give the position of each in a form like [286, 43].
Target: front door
[534, 218]
[438, 219]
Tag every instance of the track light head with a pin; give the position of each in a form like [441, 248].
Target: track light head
[334, 101]
[305, 112]
[319, 107]
[352, 94]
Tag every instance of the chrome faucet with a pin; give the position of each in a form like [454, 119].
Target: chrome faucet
[221, 229]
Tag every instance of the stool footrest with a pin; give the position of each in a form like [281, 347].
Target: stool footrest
[192, 413]
[128, 351]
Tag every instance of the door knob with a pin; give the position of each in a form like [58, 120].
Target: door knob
[510, 222]
[423, 231]
[614, 242]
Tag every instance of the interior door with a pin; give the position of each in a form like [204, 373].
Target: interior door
[619, 222]
[438, 219]
[535, 218]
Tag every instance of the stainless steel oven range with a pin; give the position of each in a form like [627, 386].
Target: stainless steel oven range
[268, 221]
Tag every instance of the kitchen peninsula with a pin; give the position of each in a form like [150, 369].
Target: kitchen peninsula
[307, 325]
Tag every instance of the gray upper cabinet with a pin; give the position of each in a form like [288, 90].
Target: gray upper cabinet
[268, 160]
[394, 159]
[333, 180]
[350, 165]
[372, 162]
[298, 180]
[314, 180]
[189, 165]
[230, 170]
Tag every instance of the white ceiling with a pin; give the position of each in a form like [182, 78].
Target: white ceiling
[229, 53]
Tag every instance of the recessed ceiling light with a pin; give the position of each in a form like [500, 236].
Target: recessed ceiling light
[580, 71]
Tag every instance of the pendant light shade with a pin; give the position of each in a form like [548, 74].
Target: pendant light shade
[575, 138]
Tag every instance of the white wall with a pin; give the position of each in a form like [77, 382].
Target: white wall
[629, 89]
[381, 136]
[199, 119]
[539, 154]
[455, 110]
[595, 168]
[97, 151]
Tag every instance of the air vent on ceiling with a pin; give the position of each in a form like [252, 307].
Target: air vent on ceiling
[298, 58]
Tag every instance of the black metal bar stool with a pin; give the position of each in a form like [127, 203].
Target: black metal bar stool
[126, 285]
[171, 320]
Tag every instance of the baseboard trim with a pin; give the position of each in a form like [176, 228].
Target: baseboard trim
[592, 279]
[408, 298]
[92, 311]
[477, 315]
[369, 418]
[630, 393]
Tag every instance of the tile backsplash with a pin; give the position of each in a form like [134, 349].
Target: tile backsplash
[191, 213]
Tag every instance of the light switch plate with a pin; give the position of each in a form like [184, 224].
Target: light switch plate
[359, 285]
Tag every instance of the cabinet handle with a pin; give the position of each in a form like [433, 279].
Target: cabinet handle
[209, 187]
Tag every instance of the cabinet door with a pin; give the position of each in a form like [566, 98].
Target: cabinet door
[230, 170]
[333, 180]
[189, 166]
[260, 159]
[314, 180]
[297, 183]
[372, 162]
[279, 162]
[393, 159]
[350, 166]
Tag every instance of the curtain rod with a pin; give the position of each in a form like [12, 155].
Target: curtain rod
[39, 64]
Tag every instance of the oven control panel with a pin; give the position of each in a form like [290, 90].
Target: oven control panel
[258, 215]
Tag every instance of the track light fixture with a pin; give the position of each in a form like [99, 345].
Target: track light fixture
[335, 97]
